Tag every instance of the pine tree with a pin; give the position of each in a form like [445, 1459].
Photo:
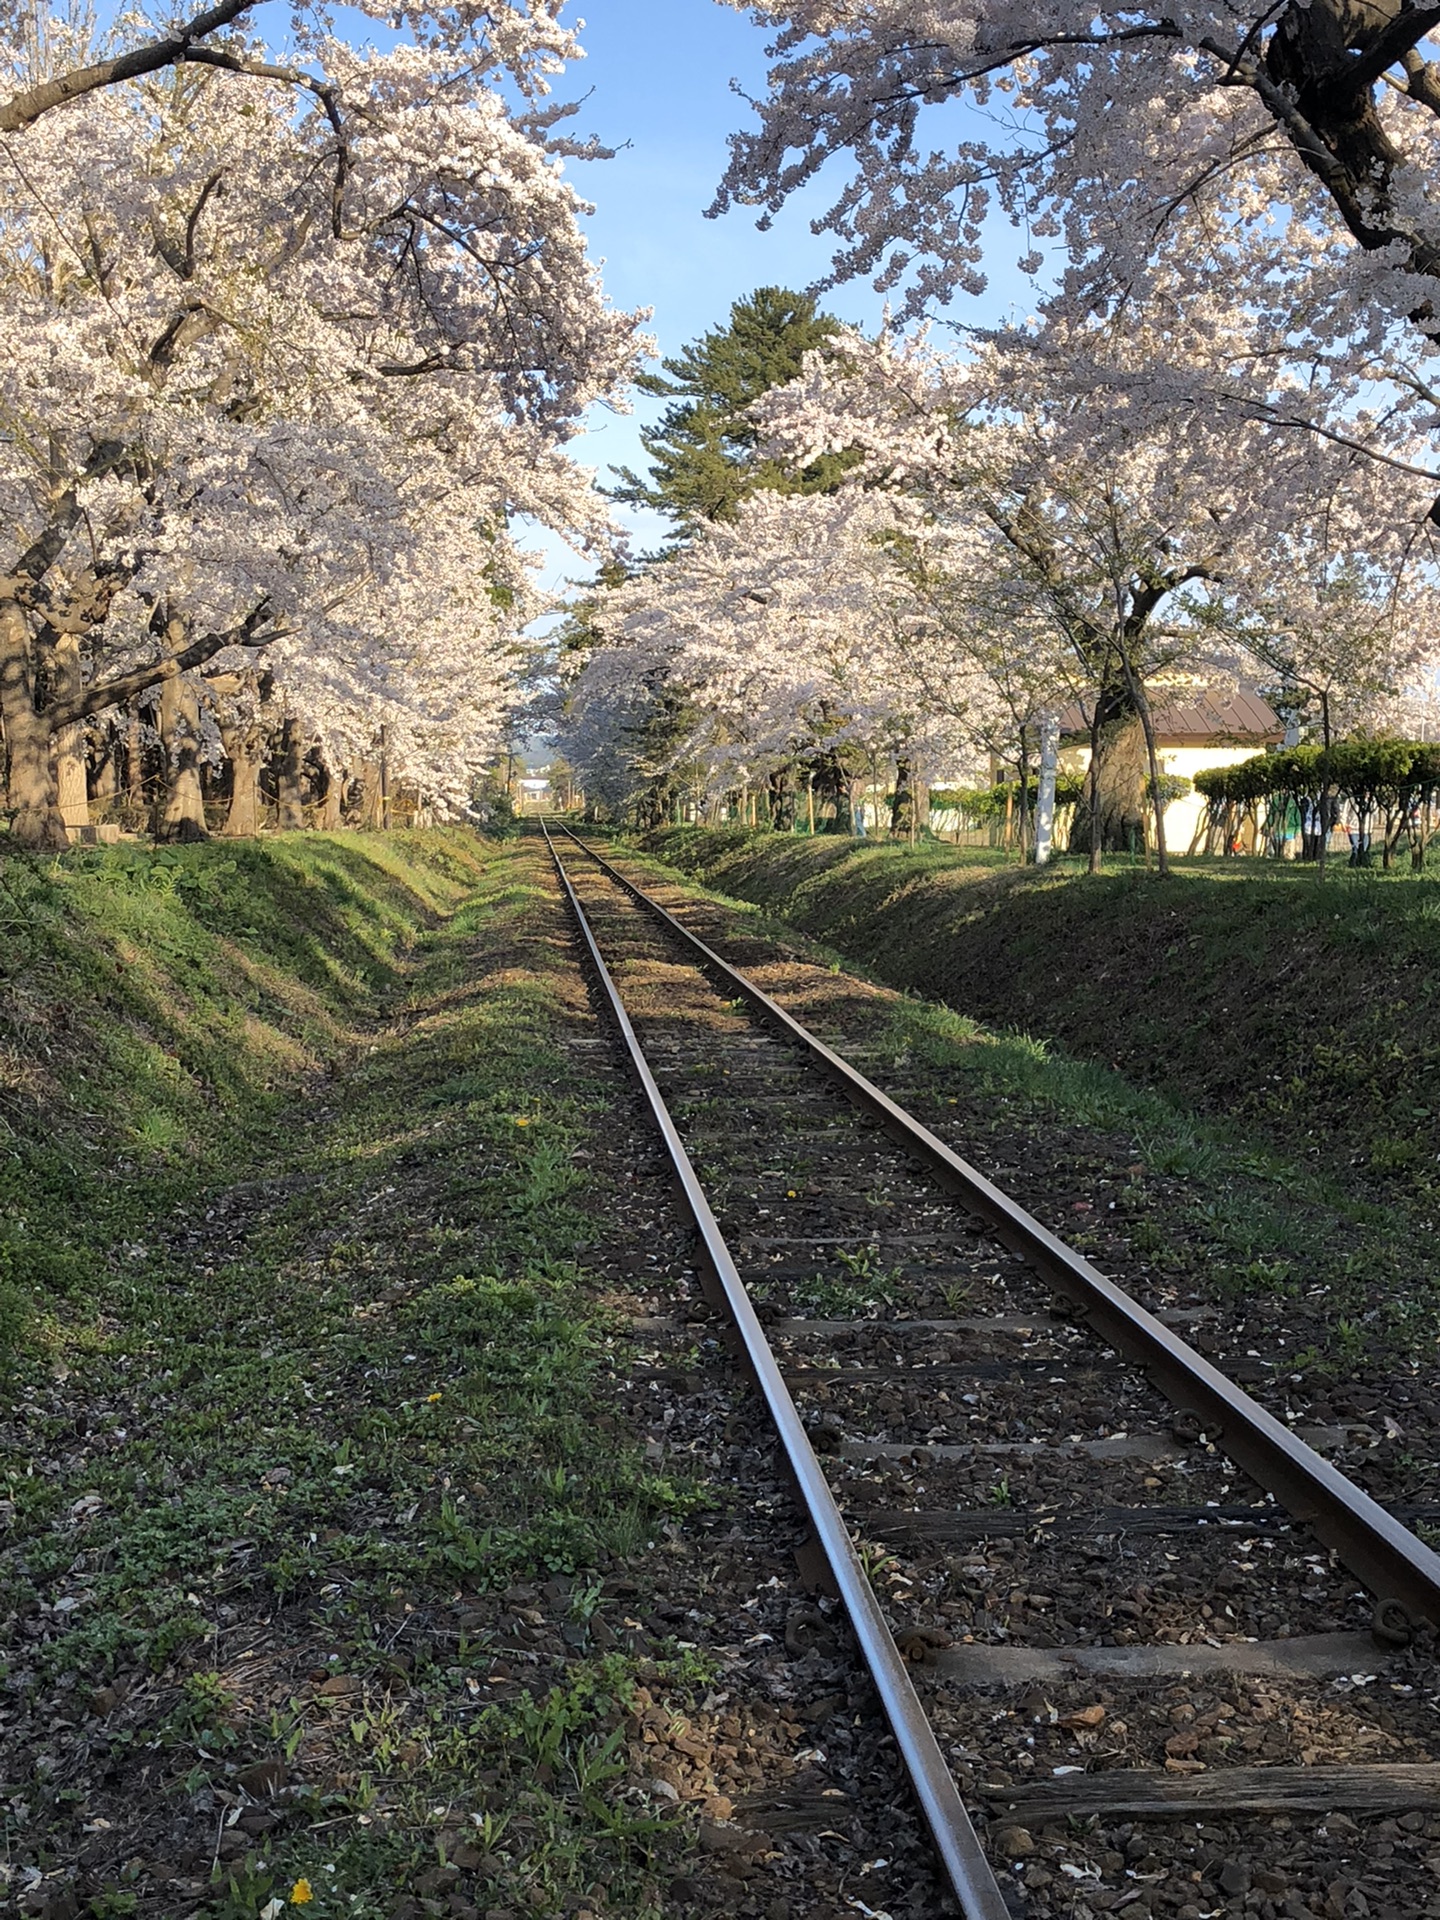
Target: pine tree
[703, 447]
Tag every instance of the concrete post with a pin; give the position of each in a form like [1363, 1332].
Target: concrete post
[1045, 798]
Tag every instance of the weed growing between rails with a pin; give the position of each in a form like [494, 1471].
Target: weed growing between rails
[281, 1476]
[1185, 1202]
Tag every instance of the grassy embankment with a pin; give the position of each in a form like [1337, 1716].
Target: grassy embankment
[1307, 1011]
[1222, 1161]
[300, 1364]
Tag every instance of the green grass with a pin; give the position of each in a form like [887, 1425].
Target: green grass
[157, 1009]
[1211, 1199]
[305, 1368]
[1308, 1010]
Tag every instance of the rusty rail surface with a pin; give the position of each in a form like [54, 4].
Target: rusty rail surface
[955, 1837]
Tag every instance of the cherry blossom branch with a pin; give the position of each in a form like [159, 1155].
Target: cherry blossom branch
[1275, 418]
[1013, 50]
[327, 94]
[125, 686]
[24, 109]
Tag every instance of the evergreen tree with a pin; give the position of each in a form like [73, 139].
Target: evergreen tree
[703, 448]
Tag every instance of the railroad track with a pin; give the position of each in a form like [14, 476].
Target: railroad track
[1145, 1638]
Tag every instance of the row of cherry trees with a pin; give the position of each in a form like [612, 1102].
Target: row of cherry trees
[1210, 450]
[288, 346]
[293, 340]
[1001, 548]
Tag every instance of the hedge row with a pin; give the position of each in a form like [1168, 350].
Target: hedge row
[981, 804]
[1389, 777]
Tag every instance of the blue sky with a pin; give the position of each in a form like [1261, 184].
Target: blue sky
[658, 73]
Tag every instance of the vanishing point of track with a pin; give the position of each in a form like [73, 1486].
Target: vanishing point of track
[873, 1148]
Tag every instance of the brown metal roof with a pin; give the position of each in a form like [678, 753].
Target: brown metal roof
[1205, 713]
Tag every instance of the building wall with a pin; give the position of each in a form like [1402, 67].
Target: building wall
[1183, 816]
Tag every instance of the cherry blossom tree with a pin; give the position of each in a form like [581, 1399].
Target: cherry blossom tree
[784, 631]
[268, 382]
[1345, 642]
[1139, 536]
[1123, 132]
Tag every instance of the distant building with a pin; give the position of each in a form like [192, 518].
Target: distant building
[1195, 727]
[533, 792]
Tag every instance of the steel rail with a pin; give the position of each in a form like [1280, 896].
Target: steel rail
[1400, 1571]
[955, 1837]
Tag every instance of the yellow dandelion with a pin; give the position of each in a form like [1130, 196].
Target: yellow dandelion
[522, 1119]
[790, 1194]
[431, 1398]
[301, 1894]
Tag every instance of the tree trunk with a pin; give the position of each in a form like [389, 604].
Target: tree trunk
[1152, 760]
[902, 807]
[134, 761]
[245, 750]
[370, 798]
[182, 819]
[1113, 816]
[291, 795]
[107, 771]
[68, 742]
[1092, 795]
[782, 799]
[831, 785]
[35, 813]
[327, 820]
[845, 806]
[71, 789]
[1022, 794]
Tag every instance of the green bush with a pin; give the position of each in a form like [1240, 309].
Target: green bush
[983, 804]
[1374, 775]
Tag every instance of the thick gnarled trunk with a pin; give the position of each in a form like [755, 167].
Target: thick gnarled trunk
[182, 818]
[34, 803]
[245, 750]
[1115, 821]
[782, 799]
[902, 804]
[290, 779]
[68, 743]
[372, 796]
[832, 788]
[328, 814]
[71, 788]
